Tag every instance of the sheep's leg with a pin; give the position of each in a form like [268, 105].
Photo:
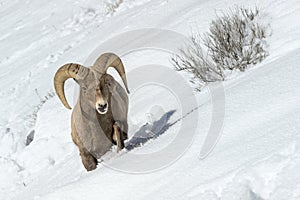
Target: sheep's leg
[88, 160]
[124, 131]
[117, 137]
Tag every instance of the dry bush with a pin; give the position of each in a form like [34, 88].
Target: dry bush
[193, 61]
[235, 40]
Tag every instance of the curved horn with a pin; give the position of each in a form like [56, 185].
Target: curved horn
[107, 60]
[65, 72]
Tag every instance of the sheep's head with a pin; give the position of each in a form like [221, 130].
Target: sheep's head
[93, 90]
[106, 86]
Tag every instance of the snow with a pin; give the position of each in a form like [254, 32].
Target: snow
[257, 155]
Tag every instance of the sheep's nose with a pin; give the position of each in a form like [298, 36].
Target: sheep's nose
[103, 106]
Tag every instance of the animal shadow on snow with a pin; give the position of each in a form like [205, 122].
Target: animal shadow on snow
[150, 131]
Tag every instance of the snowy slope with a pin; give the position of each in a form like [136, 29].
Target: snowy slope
[257, 156]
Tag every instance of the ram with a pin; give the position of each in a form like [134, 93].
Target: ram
[99, 117]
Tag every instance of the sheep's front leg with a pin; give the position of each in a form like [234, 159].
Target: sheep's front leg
[117, 136]
[88, 160]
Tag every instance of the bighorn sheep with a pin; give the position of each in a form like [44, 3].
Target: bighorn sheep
[99, 117]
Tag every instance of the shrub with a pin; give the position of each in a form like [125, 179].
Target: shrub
[235, 40]
[193, 60]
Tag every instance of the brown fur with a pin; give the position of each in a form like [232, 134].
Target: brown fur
[92, 132]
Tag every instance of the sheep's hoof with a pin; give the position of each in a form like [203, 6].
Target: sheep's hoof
[89, 162]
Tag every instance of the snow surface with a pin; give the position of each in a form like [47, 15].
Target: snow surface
[256, 158]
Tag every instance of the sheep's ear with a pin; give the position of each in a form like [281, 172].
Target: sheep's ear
[111, 83]
[87, 78]
[79, 82]
[76, 81]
